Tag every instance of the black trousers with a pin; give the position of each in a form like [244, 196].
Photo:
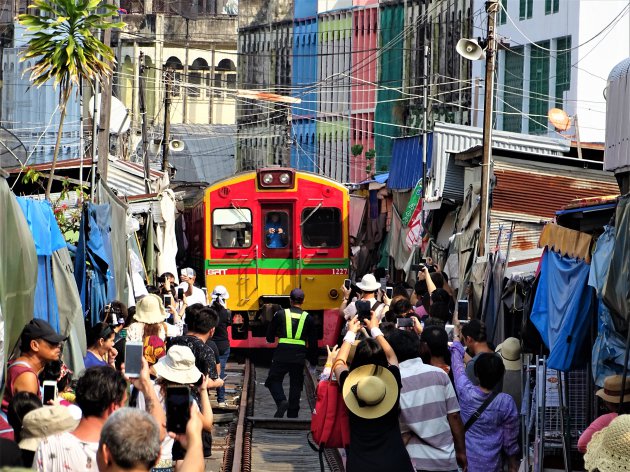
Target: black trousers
[296, 381]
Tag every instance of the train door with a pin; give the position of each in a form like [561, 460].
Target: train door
[278, 251]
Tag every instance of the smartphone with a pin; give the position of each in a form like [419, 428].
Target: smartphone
[50, 391]
[462, 310]
[383, 281]
[177, 409]
[363, 309]
[180, 293]
[347, 283]
[389, 291]
[133, 359]
[404, 323]
[168, 300]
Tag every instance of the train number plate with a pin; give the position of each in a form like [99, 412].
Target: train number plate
[340, 271]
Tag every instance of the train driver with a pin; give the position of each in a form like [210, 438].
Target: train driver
[276, 237]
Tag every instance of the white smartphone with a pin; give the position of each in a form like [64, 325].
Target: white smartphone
[133, 359]
[49, 393]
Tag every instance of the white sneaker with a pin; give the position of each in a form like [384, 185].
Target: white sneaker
[222, 405]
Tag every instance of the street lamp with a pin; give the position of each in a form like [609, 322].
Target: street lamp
[472, 50]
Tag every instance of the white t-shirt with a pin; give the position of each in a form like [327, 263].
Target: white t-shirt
[65, 453]
[197, 295]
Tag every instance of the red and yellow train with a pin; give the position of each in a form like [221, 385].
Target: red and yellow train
[263, 233]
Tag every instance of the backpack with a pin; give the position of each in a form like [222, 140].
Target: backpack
[330, 427]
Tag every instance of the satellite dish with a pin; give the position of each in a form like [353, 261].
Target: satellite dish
[119, 120]
[469, 49]
[176, 145]
[13, 153]
[559, 119]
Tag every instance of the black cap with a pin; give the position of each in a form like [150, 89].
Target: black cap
[297, 294]
[40, 329]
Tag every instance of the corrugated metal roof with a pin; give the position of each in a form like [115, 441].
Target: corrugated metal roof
[406, 166]
[449, 138]
[538, 190]
[524, 239]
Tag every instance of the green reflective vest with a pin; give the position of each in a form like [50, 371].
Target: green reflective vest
[288, 318]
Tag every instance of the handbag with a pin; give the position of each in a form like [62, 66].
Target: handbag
[330, 426]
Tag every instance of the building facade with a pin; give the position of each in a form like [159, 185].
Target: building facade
[357, 67]
[554, 54]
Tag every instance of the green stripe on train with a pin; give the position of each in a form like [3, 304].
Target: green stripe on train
[279, 264]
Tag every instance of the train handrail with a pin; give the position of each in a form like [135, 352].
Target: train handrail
[299, 265]
[256, 260]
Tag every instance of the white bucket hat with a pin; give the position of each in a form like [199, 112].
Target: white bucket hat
[368, 283]
[178, 366]
[43, 422]
[150, 310]
[221, 294]
[510, 352]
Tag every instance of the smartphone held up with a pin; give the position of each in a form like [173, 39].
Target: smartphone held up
[178, 403]
[133, 359]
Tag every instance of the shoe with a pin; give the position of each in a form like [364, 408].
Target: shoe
[222, 405]
[282, 409]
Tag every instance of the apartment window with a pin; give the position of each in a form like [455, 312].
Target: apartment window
[552, 6]
[539, 87]
[563, 68]
[503, 12]
[196, 74]
[513, 90]
[526, 9]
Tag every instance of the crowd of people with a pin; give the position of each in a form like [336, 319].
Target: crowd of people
[144, 409]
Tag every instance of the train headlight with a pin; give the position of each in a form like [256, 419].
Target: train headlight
[334, 294]
[268, 178]
[285, 178]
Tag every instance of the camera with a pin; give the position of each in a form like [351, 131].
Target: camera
[420, 267]
[404, 323]
[363, 310]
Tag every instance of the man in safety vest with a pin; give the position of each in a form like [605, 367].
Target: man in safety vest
[297, 342]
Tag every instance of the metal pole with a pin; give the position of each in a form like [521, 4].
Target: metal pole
[185, 89]
[94, 138]
[492, 7]
[425, 118]
[143, 117]
[577, 136]
[167, 117]
[81, 133]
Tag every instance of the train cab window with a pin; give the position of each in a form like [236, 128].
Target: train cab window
[276, 229]
[321, 227]
[231, 227]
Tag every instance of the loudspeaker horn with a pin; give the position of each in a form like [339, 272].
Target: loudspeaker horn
[469, 49]
[176, 145]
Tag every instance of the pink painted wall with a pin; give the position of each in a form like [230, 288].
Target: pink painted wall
[364, 59]
[361, 132]
[363, 3]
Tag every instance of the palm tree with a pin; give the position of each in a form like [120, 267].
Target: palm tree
[64, 44]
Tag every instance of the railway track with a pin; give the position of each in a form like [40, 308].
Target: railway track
[256, 441]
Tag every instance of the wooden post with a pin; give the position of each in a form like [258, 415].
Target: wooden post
[143, 117]
[166, 138]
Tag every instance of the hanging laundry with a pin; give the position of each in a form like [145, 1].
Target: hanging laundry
[561, 311]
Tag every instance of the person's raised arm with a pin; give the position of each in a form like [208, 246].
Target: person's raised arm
[375, 331]
[354, 325]
[427, 276]
[151, 400]
[204, 404]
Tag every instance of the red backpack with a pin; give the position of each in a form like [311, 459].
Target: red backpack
[330, 427]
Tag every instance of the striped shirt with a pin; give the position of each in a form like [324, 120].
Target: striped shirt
[427, 396]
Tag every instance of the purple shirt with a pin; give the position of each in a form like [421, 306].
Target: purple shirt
[497, 428]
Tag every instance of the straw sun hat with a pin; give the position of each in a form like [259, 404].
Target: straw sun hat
[612, 390]
[609, 449]
[370, 391]
[150, 310]
[178, 366]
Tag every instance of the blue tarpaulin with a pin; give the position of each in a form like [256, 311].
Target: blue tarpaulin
[406, 166]
[97, 288]
[48, 239]
[561, 310]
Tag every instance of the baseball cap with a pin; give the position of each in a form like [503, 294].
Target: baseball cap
[40, 329]
[297, 294]
[188, 272]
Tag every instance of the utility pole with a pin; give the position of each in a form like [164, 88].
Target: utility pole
[185, 89]
[425, 119]
[105, 113]
[492, 7]
[97, 85]
[143, 117]
[166, 138]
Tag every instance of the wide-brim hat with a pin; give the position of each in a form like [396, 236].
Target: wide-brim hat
[510, 352]
[370, 391]
[368, 283]
[43, 422]
[178, 366]
[609, 449]
[612, 389]
[150, 310]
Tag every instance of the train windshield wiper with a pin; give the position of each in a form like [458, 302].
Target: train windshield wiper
[319, 205]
